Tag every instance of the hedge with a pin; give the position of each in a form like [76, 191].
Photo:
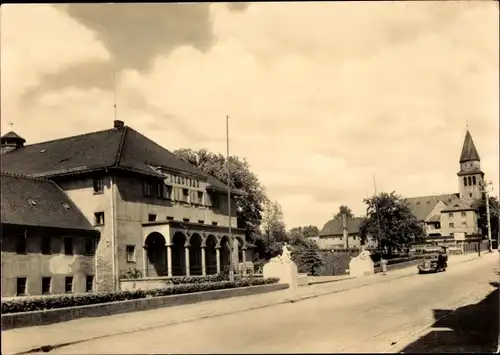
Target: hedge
[27, 304]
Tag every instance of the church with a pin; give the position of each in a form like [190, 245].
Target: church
[451, 218]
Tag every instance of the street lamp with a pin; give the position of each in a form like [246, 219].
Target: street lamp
[231, 242]
[485, 190]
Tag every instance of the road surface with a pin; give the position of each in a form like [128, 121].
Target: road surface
[452, 311]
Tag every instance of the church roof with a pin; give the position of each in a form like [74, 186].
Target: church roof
[422, 206]
[469, 151]
[458, 205]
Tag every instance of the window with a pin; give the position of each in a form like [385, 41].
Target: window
[201, 221]
[215, 201]
[167, 192]
[214, 223]
[130, 250]
[450, 214]
[438, 225]
[68, 246]
[99, 218]
[151, 217]
[45, 247]
[98, 185]
[170, 218]
[465, 181]
[463, 214]
[147, 189]
[21, 247]
[473, 180]
[185, 219]
[21, 286]
[200, 197]
[464, 224]
[451, 225]
[68, 284]
[469, 181]
[89, 283]
[470, 194]
[185, 195]
[159, 188]
[89, 246]
[46, 285]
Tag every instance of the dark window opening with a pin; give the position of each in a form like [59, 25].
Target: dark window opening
[201, 221]
[167, 192]
[21, 286]
[452, 225]
[147, 189]
[465, 181]
[470, 194]
[215, 201]
[46, 245]
[170, 218]
[185, 195]
[214, 223]
[98, 185]
[473, 180]
[68, 246]
[99, 218]
[185, 219]
[46, 285]
[151, 217]
[469, 182]
[463, 214]
[200, 197]
[130, 251]
[21, 247]
[89, 284]
[68, 284]
[89, 246]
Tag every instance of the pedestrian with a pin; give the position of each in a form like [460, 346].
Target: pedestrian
[383, 264]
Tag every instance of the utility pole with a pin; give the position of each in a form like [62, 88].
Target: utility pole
[485, 190]
[378, 216]
[231, 242]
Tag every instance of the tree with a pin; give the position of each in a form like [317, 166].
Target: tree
[301, 235]
[308, 260]
[250, 206]
[480, 206]
[344, 210]
[273, 225]
[304, 249]
[399, 228]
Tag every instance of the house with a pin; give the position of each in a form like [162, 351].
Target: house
[48, 246]
[156, 214]
[452, 217]
[332, 235]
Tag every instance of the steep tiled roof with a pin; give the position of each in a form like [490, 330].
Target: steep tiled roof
[41, 203]
[469, 151]
[458, 205]
[334, 227]
[422, 206]
[120, 147]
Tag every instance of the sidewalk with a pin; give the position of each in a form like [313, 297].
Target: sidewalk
[21, 340]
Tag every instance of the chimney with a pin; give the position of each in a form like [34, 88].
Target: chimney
[11, 141]
[345, 232]
[119, 124]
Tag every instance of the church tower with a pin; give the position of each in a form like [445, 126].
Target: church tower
[470, 176]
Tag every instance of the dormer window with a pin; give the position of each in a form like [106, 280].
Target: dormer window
[98, 185]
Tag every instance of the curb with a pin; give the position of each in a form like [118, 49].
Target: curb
[47, 348]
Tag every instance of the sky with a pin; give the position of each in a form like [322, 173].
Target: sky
[322, 97]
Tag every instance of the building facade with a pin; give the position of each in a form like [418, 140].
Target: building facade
[452, 217]
[333, 236]
[157, 215]
[48, 246]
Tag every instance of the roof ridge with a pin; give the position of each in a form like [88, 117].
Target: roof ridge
[21, 176]
[426, 196]
[120, 148]
[70, 137]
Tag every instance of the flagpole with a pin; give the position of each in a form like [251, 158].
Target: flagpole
[231, 244]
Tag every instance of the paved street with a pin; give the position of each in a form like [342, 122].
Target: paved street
[401, 313]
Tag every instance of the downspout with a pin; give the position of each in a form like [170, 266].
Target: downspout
[113, 233]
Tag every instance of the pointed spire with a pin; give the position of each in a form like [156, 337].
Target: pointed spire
[469, 151]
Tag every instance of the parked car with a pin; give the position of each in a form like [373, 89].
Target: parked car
[432, 264]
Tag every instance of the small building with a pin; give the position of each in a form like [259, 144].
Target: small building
[48, 246]
[157, 214]
[332, 236]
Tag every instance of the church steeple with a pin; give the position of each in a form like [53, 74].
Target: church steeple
[470, 176]
[469, 151]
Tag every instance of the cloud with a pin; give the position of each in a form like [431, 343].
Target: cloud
[321, 96]
[134, 35]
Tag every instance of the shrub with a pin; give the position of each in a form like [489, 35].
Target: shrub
[27, 304]
[178, 280]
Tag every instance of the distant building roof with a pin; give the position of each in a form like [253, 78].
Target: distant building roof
[11, 135]
[40, 203]
[458, 205]
[119, 147]
[422, 206]
[469, 151]
[334, 227]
